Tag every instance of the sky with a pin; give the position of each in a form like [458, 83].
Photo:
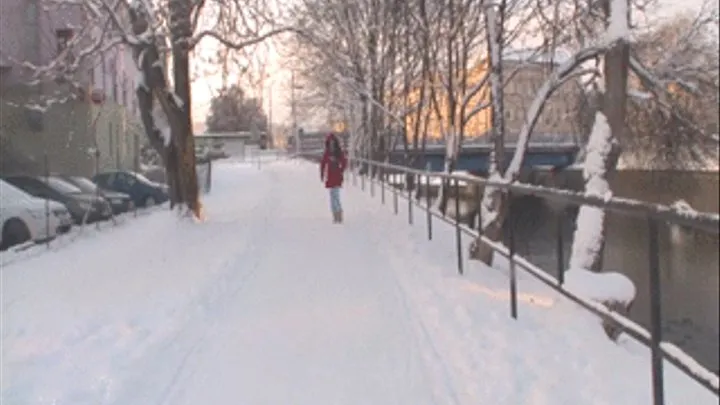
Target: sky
[279, 78]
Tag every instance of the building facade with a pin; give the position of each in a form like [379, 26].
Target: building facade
[525, 72]
[51, 125]
[558, 122]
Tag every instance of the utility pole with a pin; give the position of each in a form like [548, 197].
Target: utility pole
[270, 137]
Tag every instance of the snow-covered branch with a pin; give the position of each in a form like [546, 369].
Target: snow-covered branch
[239, 44]
[560, 75]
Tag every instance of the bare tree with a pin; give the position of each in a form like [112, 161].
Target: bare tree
[601, 33]
[683, 51]
[494, 204]
[151, 31]
[447, 39]
[367, 49]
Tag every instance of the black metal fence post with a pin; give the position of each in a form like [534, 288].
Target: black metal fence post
[362, 178]
[353, 172]
[513, 275]
[373, 171]
[46, 163]
[428, 204]
[382, 185]
[655, 314]
[409, 197]
[209, 176]
[478, 204]
[97, 171]
[560, 249]
[395, 198]
[458, 233]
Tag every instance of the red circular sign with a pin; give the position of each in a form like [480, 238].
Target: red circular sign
[97, 96]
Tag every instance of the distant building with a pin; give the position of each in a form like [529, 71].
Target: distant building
[558, 121]
[233, 143]
[315, 141]
[68, 130]
[525, 72]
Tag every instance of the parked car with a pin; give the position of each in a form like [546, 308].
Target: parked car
[156, 174]
[202, 153]
[24, 217]
[78, 203]
[217, 151]
[120, 202]
[144, 192]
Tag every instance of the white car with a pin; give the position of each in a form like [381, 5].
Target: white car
[202, 152]
[23, 217]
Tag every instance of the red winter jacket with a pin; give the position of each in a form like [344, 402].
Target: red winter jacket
[332, 168]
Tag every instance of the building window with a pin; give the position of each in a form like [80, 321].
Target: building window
[549, 115]
[63, 38]
[113, 79]
[111, 144]
[35, 119]
[32, 36]
[125, 93]
[31, 12]
[103, 72]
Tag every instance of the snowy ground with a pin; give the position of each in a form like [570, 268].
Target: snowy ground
[267, 302]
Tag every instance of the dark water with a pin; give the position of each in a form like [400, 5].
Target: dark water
[689, 260]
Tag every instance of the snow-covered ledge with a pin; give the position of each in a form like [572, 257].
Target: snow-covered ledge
[614, 290]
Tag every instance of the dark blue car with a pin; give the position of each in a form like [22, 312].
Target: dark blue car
[144, 192]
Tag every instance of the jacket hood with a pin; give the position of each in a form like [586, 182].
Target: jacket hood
[328, 138]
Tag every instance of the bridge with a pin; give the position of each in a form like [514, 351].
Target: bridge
[474, 157]
[267, 302]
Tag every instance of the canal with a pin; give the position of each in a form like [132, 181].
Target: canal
[689, 259]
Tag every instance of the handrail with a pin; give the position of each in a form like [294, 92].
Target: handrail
[698, 220]
[652, 212]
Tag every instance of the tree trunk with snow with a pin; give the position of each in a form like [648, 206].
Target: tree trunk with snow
[452, 149]
[167, 123]
[494, 205]
[602, 150]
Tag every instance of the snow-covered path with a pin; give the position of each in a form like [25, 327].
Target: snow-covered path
[267, 302]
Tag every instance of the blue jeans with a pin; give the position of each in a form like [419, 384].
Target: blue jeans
[335, 199]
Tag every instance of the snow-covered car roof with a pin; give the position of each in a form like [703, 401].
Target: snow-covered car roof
[11, 195]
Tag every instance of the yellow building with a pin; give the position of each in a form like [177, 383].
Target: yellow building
[518, 92]
[477, 125]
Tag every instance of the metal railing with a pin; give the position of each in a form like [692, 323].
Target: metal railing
[373, 172]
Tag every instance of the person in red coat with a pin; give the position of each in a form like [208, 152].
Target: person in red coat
[332, 166]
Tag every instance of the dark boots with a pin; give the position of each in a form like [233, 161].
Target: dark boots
[337, 217]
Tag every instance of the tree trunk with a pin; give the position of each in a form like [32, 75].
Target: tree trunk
[185, 173]
[494, 205]
[602, 154]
